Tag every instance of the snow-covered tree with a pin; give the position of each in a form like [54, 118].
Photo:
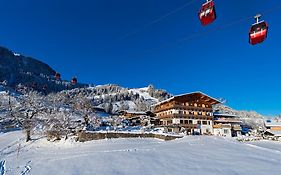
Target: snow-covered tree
[31, 108]
[9, 107]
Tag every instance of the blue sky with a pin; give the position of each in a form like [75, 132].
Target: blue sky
[109, 41]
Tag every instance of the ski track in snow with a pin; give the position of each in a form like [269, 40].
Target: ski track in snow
[27, 168]
[2, 167]
[88, 154]
[10, 144]
[13, 148]
[265, 149]
[152, 147]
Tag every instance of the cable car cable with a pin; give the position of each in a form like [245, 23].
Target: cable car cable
[201, 34]
[157, 20]
[241, 20]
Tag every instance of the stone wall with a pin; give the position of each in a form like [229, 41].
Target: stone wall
[87, 136]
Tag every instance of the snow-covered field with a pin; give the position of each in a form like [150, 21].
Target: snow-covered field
[190, 155]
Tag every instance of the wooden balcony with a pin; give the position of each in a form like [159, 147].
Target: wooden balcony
[232, 121]
[220, 126]
[186, 116]
[236, 128]
[191, 126]
[182, 107]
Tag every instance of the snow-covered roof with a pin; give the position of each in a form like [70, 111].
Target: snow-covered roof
[224, 115]
[134, 112]
[272, 122]
[187, 94]
[16, 54]
[227, 121]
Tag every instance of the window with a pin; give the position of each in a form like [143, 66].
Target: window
[199, 122]
[181, 121]
[225, 131]
[204, 122]
[209, 123]
[190, 122]
[258, 27]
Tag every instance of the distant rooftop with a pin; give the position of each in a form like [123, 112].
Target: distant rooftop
[217, 114]
[272, 122]
[133, 112]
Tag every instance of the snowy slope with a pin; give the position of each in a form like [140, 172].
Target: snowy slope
[113, 98]
[190, 155]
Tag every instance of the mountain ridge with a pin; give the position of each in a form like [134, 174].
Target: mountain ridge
[26, 73]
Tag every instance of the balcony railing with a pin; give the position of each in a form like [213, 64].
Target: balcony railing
[187, 116]
[176, 106]
[180, 125]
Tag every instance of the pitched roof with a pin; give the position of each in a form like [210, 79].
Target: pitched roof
[197, 93]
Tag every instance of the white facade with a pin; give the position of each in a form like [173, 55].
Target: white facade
[224, 131]
[204, 126]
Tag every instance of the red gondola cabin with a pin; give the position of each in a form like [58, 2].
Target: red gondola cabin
[57, 76]
[207, 14]
[74, 80]
[258, 31]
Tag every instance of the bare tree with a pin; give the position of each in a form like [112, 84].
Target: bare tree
[31, 107]
[84, 107]
[9, 107]
[60, 111]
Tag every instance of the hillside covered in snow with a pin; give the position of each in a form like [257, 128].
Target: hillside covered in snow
[114, 98]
